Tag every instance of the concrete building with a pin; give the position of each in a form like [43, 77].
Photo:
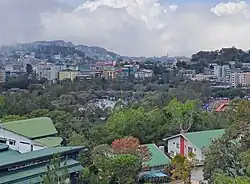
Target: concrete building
[204, 77]
[47, 71]
[2, 75]
[195, 142]
[17, 168]
[144, 74]
[187, 73]
[225, 73]
[68, 74]
[240, 79]
[217, 71]
[29, 135]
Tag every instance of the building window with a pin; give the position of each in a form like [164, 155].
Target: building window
[25, 143]
[3, 140]
[12, 142]
[177, 145]
[190, 150]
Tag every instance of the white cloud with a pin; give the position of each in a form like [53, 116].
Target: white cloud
[139, 27]
[230, 8]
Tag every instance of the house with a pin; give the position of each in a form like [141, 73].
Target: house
[26, 168]
[154, 168]
[30, 134]
[195, 142]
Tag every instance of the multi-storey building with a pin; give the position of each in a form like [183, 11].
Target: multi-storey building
[225, 73]
[240, 79]
[47, 71]
[68, 74]
[2, 75]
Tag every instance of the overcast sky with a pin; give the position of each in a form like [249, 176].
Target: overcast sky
[129, 27]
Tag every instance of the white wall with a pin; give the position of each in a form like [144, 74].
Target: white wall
[19, 146]
[172, 146]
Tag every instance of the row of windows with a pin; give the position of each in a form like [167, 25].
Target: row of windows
[190, 149]
[11, 141]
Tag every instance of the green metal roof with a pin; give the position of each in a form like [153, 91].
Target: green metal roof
[6, 152]
[203, 139]
[33, 174]
[158, 158]
[12, 159]
[32, 128]
[3, 147]
[49, 141]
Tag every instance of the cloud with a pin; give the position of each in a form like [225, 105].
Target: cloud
[130, 27]
[230, 8]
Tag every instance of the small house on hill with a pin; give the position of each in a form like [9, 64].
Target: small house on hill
[30, 134]
[195, 142]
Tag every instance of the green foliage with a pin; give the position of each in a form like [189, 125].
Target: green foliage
[222, 179]
[182, 167]
[229, 155]
[56, 175]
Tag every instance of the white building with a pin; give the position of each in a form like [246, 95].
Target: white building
[217, 71]
[225, 73]
[195, 142]
[2, 75]
[47, 71]
[29, 135]
[144, 74]
[240, 79]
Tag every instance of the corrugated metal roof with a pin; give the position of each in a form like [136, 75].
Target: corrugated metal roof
[33, 174]
[50, 141]
[32, 128]
[158, 158]
[203, 139]
[13, 159]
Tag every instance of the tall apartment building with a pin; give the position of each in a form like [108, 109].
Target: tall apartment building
[2, 75]
[47, 71]
[217, 71]
[225, 73]
[222, 72]
[242, 79]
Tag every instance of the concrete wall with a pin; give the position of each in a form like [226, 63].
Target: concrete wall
[21, 143]
[174, 146]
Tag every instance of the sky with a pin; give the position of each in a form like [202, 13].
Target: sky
[130, 27]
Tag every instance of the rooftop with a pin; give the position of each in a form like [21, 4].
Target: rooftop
[158, 158]
[50, 141]
[203, 138]
[10, 159]
[33, 174]
[32, 128]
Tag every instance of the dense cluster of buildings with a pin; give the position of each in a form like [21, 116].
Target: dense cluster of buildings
[223, 75]
[62, 70]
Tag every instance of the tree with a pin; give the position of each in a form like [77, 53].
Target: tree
[228, 155]
[132, 146]
[222, 179]
[182, 167]
[55, 173]
[182, 114]
[125, 168]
